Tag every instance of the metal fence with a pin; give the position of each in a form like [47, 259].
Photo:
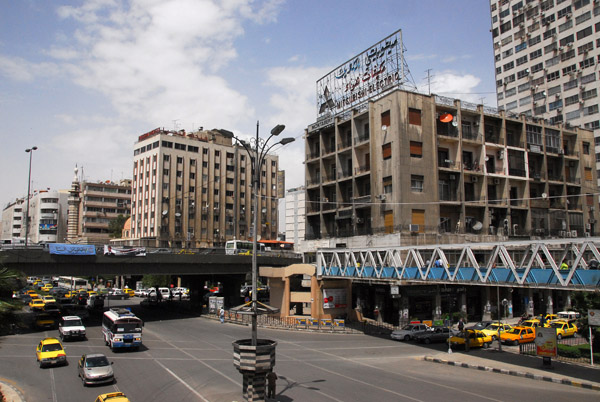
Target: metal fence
[297, 323]
[531, 349]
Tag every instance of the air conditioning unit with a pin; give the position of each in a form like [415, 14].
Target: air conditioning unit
[582, 87]
[570, 44]
[501, 154]
[573, 233]
[413, 228]
[381, 197]
[562, 233]
[360, 220]
[588, 226]
[474, 179]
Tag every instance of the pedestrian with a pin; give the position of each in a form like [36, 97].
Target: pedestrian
[461, 325]
[593, 264]
[564, 266]
[222, 315]
[271, 384]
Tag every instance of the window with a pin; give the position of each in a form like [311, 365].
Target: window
[553, 76]
[588, 174]
[386, 150]
[509, 66]
[535, 54]
[416, 149]
[166, 172]
[586, 63]
[534, 40]
[416, 183]
[387, 185]
[179, 159]
[414, 116]
[522, 60]
[418, 219]
[385, 118]
[584, 33]
[166, 158]
[586, 148]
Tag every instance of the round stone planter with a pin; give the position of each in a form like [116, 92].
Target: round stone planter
[254, 362]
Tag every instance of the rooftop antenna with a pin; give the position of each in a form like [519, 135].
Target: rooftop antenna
[175, 124]
[429, 77]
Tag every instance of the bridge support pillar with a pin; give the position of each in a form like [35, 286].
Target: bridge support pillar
[530, 307]
[567, 305]
[509, 305]
[487, 306]
[404, 311]
[437, 312]
[549, 302]
[462, 302]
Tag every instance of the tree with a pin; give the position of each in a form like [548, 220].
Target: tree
[150, 281]
[115, 226]
[582, 302]
[10, 280]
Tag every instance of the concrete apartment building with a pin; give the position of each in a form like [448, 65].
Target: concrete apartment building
[546, 56]
[295, 210]
[194, 190]
[92, 206]
[13, 221]
[47, 218]
[389, 167]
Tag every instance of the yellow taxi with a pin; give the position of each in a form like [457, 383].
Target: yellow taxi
[71, 293]
[34, 295]
[563, 328]
[92, 293]
[30, 292]
[112, 397]
[477, 339]
[49, 352]
[492, 329]
[518, 335]
[47, 287]
[48, 299]
[36, 304]
[130, 292]
[533, 323]
[550, 317]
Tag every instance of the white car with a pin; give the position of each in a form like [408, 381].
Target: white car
[409, 331]
[141, 292]
[70, 326]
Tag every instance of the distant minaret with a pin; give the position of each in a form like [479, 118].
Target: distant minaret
[73, 218]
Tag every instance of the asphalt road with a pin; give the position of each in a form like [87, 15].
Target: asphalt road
[190, 359]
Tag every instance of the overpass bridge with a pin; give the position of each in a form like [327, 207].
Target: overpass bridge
[39, 262]
[515, 264]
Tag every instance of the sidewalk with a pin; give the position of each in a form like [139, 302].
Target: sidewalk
[10, 393]
[579, 375]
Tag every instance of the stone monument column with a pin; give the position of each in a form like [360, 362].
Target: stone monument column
[73, 215]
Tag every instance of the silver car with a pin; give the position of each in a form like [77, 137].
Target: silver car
[95, 369]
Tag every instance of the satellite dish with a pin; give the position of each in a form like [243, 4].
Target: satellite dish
[446, 118]
[165, 212]
[544, 195]
[454, 123]
[383, 128]
[177, 214]
[477, 226]
[487, 158]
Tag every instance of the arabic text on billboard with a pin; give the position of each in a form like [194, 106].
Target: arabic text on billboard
[369, 74]
[71, 249]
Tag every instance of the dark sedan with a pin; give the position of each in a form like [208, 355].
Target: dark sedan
[437, 334]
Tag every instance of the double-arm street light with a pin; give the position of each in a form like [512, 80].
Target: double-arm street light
[30, 152]
[257, 149]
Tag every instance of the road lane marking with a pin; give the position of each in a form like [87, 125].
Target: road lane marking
[380, 369]
[53, 385]
[182, 381]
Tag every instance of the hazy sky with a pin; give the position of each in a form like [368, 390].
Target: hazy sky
[81, 80]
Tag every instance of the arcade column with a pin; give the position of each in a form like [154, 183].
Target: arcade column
[437, 312]
[549, 301]
[487, 306]
[462, 301]
[404, 307]
[529, 308]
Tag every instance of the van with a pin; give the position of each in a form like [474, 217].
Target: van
[567, 315]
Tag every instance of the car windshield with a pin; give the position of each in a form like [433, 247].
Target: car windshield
[53, 347]
[72, 323]
[515, 331]
[407, 327]
[557, 325]
[96, 361]
[128, 328]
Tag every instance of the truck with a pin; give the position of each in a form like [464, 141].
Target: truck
[70, 326]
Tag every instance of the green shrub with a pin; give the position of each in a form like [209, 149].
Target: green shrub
[569, 351]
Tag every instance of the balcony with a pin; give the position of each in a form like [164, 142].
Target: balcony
[361, 169]
[361, 138]
[516, 172]
[447, 130]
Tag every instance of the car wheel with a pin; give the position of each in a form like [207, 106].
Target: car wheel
[494, 337]
[407, 337]
[486, 345]
[41, 365]
[427, 341]
[515, 343]
[558, 336]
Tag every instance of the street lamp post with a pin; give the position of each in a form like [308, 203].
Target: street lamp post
[255, 357]
[30, 152]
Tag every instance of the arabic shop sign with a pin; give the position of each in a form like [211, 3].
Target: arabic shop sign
[371, 73]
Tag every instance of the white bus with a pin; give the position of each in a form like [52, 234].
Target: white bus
[121, 329]
[72, 283]
[243, 247]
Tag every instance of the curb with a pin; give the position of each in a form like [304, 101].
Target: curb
[532, 376]
[10, 393]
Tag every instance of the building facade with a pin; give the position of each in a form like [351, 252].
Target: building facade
[93, 206]
[409, 168]
[195, 190]
[295, 210]
[546, 56]
[13, 221]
